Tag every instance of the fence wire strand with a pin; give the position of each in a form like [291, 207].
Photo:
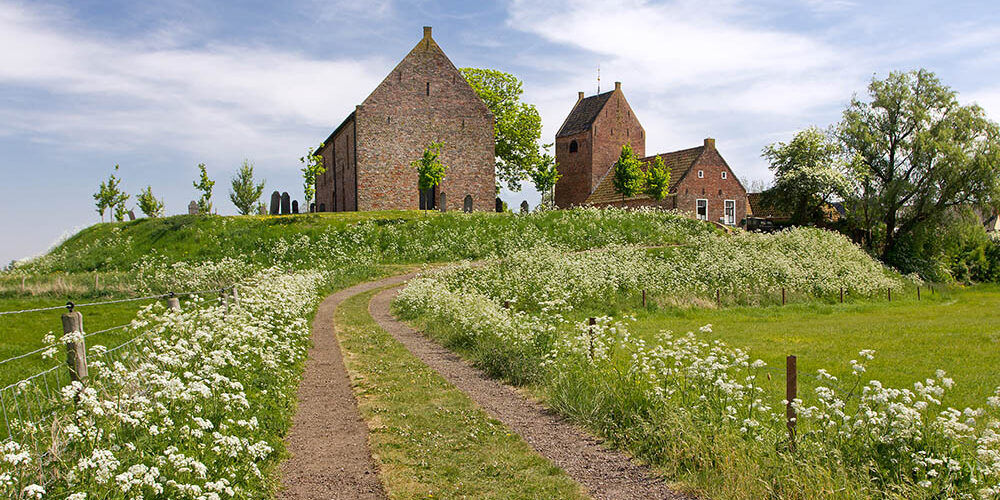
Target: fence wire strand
[119, 301]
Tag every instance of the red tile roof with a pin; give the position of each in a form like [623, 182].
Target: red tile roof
[678, 163]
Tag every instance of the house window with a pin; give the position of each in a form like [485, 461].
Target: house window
[731, 212]
[701, 209]
[701, 174]
[573, 146]
[724, 175]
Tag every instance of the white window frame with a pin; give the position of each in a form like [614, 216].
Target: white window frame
[730, 220]
[724, 175]
[701, 174]
[696, 214]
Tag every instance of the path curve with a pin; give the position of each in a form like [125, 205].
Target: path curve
[605, 473]
[328, 440]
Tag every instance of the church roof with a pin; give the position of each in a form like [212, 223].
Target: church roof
[678, 163]
[584, 114]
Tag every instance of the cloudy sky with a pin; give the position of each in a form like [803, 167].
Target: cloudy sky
[159, 87]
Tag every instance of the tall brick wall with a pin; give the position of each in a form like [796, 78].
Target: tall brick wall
[424, 99]
[598, 149]
[336, 188]
[711, 187]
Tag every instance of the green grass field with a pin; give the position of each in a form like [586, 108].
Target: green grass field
[957, 330]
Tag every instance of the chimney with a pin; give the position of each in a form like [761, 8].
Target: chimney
[427, 31]
[709, 143]
[618, 86]
[579, 96]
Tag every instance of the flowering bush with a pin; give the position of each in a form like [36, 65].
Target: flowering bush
[196, 409]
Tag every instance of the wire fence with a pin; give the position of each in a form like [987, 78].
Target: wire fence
[34, 400]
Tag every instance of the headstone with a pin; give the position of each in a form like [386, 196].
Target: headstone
[322, 207]
[524, 207]
[131, 215]
[499, 205]
[467, 204]
[286, 203]
[444, 203]
[312, 207]
[193, 208]
[275, 203]
[295, 206]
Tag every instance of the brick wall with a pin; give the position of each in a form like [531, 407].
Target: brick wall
[691, 188]
[574, 182]
[424, 99]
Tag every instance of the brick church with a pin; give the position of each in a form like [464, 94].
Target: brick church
[424, 99]
[590, 141]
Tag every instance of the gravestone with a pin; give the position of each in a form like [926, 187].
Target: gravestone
[444, 203]
[275, 203]
[499, 205]
[295, 206]
[286, 203]
[524, 207]
[312, 207]
[131, 215]
[193, 208]
[467, 204]
[322, 207]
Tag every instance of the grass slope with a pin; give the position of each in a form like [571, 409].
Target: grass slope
[430, 439]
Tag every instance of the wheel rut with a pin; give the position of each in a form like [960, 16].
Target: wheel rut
[605, 473]
[328, 440]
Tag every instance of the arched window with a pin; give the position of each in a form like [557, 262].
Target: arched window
[428, 88]
[573, 146]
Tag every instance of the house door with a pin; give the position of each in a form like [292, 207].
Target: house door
[428, 198]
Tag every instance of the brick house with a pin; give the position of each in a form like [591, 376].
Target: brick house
[424, 99]
[590, 141]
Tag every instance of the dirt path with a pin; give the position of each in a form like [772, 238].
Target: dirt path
[606, 474]
[328, 441]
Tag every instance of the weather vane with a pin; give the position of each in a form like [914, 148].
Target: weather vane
[598, 78]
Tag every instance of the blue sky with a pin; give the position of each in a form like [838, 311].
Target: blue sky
[159, 87]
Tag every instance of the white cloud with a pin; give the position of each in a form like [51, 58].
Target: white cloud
[130, 93]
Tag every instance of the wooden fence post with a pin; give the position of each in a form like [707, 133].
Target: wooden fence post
[173, 303]
[791, 393]
[643, 297]
[506, 304]
[782, 295]
[888, 293]
[841, 295]
[97, 282]
[918, 292]
[236, 295]
[22, 284]
[718, 298]
[76, 352]
[590, 333]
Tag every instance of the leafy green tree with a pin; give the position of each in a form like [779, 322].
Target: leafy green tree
[430, 170]
[245, 193]
[312, 167]
[628, 179]
[916, 152]
[517, 125]
[109, 195]
[148, 203]
[204, 184]
[544, 176]
[121, 210]
[808, 173]
[657, 179]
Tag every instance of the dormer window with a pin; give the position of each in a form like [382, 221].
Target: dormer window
[701, 174]
[724, 175]
[573, 146]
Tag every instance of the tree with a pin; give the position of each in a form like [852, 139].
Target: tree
[109, 195]
[204, 185]
[312, 167]
[245, 193]
[430, 170]
[628, 178]
[517, 125]
[148, 203]
[544, 176]
[657, 179]
[915, 153]
[808, 173]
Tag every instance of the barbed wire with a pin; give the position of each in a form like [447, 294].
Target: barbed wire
[72, 305]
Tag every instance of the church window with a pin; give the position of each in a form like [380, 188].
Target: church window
[388, 120]
[701, 174]
[428, 88]
[573, 146]
[724, 175]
